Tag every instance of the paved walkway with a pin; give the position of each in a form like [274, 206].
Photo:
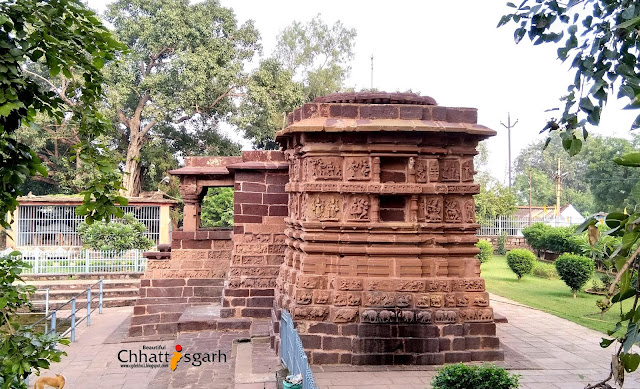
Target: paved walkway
[549, 352]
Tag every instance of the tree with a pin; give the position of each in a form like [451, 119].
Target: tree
[317, 54]
[493, 200]
[125, 234]
[64, 37]
[310, 60]
[603, 40]
[184, 67]
[217, 208]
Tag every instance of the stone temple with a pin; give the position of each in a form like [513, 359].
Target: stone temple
[362, 228]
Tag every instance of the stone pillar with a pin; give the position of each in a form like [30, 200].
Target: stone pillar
[380, 263]
[260, 205]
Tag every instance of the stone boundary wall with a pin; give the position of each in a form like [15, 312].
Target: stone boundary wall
[512, 242]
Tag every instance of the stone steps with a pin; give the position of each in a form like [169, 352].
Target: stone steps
[116, 292]
[207, 318]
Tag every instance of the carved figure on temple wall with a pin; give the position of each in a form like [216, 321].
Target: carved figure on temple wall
[332, 208]
[467, 170]
[452, 211]
[358, 169]
[450, 170]
[469, 210]
[317, 207]
[325, 168]
[433, 208]
[422, 171]
[359, 208]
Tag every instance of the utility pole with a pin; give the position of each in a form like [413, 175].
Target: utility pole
[558, 188]
[529, 196]
[509, 126]
[372, 72]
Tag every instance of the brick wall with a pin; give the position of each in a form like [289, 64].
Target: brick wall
[260, 205]
[193, 275]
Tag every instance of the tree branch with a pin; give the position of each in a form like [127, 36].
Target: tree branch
[138, 112]
[213, 104]
[154, 59]
[123, 118]
[55, 88]
[146, 128]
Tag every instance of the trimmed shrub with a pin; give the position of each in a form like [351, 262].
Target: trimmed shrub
[557, 239]
[575, 270]
[502, 239]
[545, 270]
[521, 261]
[486, 250]
[534, 235]
[460, 376]
[126, 234]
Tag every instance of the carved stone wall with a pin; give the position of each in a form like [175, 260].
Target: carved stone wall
[380, 263]
[260, 205]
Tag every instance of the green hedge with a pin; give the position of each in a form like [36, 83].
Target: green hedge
[521, 261]
[486, 250]
[460, 376]
[557, 239]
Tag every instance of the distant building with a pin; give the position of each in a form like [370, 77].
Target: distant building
[567, 216]
[51, 221]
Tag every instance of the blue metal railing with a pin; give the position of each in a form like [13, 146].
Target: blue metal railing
[292, 353]
[53, 319]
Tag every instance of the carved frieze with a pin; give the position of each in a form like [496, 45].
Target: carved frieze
[467, 170]
[324, 168]
[469, 211]
[422, 170]
[432, 207]
[358, 208]
[452, 210]
[450, 170]
[476, 315]
[324, 207]
[357, 168]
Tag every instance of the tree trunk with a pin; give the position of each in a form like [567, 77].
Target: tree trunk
[132, 180]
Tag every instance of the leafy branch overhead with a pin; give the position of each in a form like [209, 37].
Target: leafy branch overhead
[65, 38]
[600, 39]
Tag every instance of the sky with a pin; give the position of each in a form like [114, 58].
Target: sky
[449, 50]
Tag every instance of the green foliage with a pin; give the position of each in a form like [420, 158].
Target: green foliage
[521, 261]
[486, 250]
[502, 240]
[535, 235]
[493, 200]
[318, 54]
[126, 234]
[545, 270]
[589, 179]
[63, 37]
[461, 376]
[271, 94]
[185, 66]
[217, 208]
[22, 350]
[556, 239]
[574, 270]
[600, 39]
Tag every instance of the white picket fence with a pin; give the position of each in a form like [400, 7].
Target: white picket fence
[61, 261]
[513, 225]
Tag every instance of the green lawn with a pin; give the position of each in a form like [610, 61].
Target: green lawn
[551, 296]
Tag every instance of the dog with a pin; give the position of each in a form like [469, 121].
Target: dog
[57, 382]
